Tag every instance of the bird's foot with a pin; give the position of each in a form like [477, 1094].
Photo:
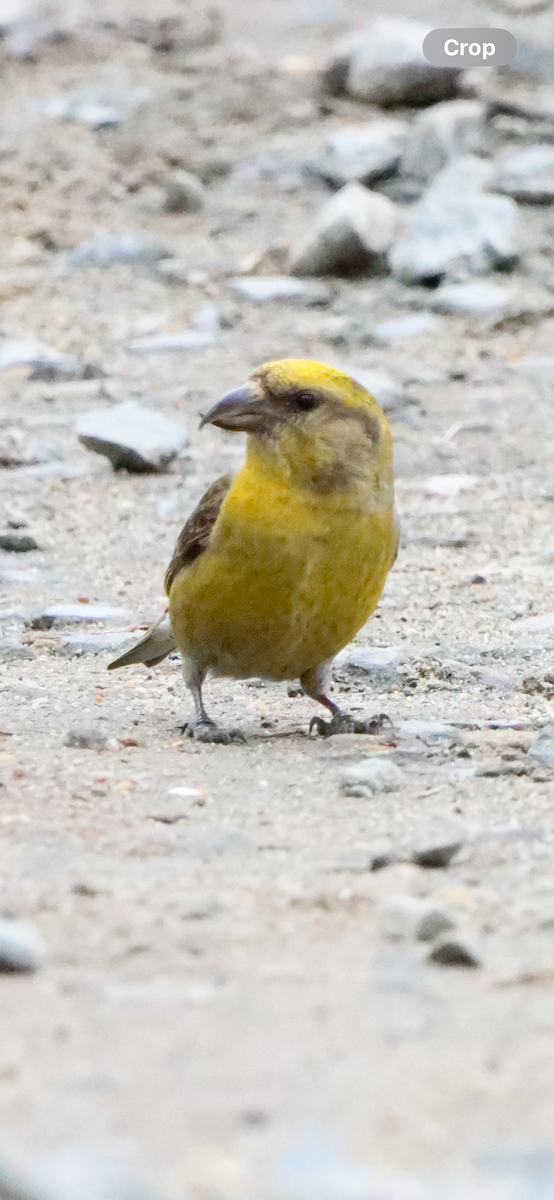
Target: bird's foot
[203, 729]
[344, 723]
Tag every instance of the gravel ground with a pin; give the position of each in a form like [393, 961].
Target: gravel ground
[217, 983]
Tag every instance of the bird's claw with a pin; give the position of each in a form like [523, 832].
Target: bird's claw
[344, 723]
[206, 730]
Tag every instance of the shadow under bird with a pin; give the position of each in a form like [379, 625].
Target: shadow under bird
[279, 567]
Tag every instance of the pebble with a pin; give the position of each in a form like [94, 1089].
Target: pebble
[456, 225]
[132, 436]
[44, 361]
[353, 231]
[525, 87]
[539, 368]
[399, 328]
[372, 775]
[263, 289]
[387, 66]
[363, 152]
[535, 624]
[379, 664]
[478, 297]
[450, 485]
[11, 650]
[184, 193]
[427, 731]
[435, 857]
[408, 917]
[527, 174]
[85, 738]
[186, 339]
[17, 543]
[449, 951]
[73, 614]
[389, 392]
[542, 750]
[113, 250]
[72, 1173]
[20, 949]
[73, 645]
[441, 134]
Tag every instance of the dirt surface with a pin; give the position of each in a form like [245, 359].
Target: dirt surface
[216, 984]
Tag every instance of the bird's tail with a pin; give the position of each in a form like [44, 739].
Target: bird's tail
[157, 643]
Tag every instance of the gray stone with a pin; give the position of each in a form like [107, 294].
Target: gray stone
[538, 368]
[387, 66]
[119, 249]
[379, 664]
[539, 624]
[372, 775]
[353, 231]
[132, 436]
[478, 297]
[73, 614]
[542, 751]
[184, 193]
[85, 738]
[399, 328]
[449, 951]
[389, 392]
[264, 289]
[527, 174]
[411, 918]
[20, 950]
[160, 343]
[17, 543]
[427, 731]
[363, 152]
[457, 226]
[524, 88]
[11, 650]
[76, 644]
[434, 857]
[441, 134]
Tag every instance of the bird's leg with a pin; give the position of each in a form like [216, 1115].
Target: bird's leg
[316, 684]
[201, 727]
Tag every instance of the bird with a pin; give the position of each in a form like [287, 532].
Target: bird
[279, 567]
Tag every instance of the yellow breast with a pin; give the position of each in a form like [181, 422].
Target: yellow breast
[287, 581]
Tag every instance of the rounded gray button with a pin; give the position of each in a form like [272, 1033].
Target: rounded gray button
[469, 47]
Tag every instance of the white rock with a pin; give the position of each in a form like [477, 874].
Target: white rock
[132, 436]
[456, 224]
[442, 133]
[387, 66]
[478, 297]
[365, 152]
[539, 368]
[450, 485]
[527, 174]
[372, 775]
[410, 326]
[409, 917]
[20, 947]
[354, 230]
[185, 339]
[263, 289]
[385, 389]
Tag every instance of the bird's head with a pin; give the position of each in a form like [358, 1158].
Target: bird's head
[312, 422]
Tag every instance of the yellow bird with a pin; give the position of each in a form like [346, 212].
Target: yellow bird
[278, 568]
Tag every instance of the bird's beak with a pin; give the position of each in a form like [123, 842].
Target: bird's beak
[244, 410]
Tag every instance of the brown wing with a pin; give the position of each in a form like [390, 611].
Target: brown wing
[195, 535]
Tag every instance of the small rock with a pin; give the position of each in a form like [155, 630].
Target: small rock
[45, 363]
[451, 951]
[73, 614]
[20, 950]
[433, 858]
[538, 368]
[386, 65]
[73, 645]
[527, 174]
[412, 918]
[378, 664]
[71, 1173]
[536, 624]
[385, 389]
[441, 134]
[85, 738]
[186, 339]
[363, 152]
[457, 226]
[11, 649]
[542, 751]
[353, 231]
[263, 289]
[431, 732]
[399, 328]
[372, 775]
[184, 193]
[132, 436]
[478, 298]
[17, 543]
[114, 250]
[450, 485]
[525, 87]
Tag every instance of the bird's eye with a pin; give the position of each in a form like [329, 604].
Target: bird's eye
[305, 401]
